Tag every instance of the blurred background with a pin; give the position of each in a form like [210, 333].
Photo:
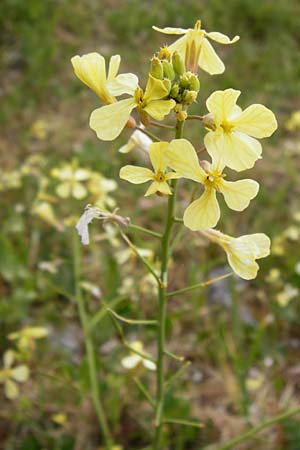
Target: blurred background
[243, 338]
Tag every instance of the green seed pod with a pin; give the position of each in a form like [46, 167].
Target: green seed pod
[168, 70]
[156, 69]
[178, 63]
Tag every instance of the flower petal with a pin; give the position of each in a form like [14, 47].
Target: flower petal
[130, 362]
[8, 358]
[244, 269]
[237, 150]
[221, 38]
[157, 186]
[109, 121]
[155, 89]
[257, 121]
[136, 175]
[125, 83]
[209, 60]
[203, 213]
[182, 157]
[157, 156]
[222, 104]
[262, 242]
[170, 30]
[20, 373]
[113, 68]
[11, 389]
[158, 109]
[180, 46]
[237, 194]
[149, 364]
[79, 191]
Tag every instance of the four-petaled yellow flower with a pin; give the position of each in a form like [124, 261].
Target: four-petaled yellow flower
[204, 212]
[232, 133]
[159, 176]
[109, 121]
[27, 335]
[9, 375]
[196, 49]
[242, 251]
[71, 178]
[91, 70]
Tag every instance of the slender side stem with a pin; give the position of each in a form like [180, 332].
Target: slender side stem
[90, 351]
[145, 230]
[161, 125]
[253, 431]
[160, 376]
[198, 285]
[194, 117]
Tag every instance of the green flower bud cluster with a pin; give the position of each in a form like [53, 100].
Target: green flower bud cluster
[184, 86]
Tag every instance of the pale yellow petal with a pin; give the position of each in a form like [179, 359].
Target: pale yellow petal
[237, 150]
[109, 121]
[221, 38]
[170, 30]
[82, 174]
[125, 83]
[130, 362]
[90, 69]
[246, 270]
[222, 103]
[209, 60]
[155, 89]
[180, 46]
[237, 194]
[257, 121]
[79, 191]
[113, 68]
[36, 332]
[157, 156]
[20, 373]
[203, 213]
[11, 389]
[172, 176]
[161, 187]
[262, 243]
[149, 364]
[158, 109]
[182, 157]
[136, 175]
[8, 358]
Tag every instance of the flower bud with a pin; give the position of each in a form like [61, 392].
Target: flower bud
[168, 70]
[181, 116]
[156, 69]
[178, 63]
[194, 83]
[184, 81]
[164, 53]
[189, 96]
[174, 91]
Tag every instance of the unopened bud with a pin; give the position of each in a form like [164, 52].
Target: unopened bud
[156, 69]
[174, 91]
[208, 122]
[178, 63]
[189, 97]
[164, 53]
[168, 70]
[181, 116]
[194, 83]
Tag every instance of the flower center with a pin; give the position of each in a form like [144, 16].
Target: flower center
[227, 126]
[160, 177]
[213, 180]
[138, 96]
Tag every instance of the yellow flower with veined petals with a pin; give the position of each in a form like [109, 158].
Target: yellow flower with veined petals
[159, 176]
[109, 121]
[242, 251]
[233, 131]
[9, 375]
[196, 49]
[204, 212]
[91, 70]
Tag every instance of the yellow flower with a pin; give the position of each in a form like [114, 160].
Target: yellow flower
[204, 212]
[91, 70]
[293, 123]
[286, 295]
[233, 131]
[27, 335]
[159, 176]
[109, 121]
[196, 49]
[133, 360]
[242, 251]
[71, 178]
[45, 211]
[9, 375]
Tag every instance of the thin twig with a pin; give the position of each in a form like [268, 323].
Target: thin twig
[198, 285]
[145, 230]
[144, 391]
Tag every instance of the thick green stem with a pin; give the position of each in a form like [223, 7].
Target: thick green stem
[90, 351]
[160, 375]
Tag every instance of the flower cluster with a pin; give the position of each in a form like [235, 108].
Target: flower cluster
[231, 139]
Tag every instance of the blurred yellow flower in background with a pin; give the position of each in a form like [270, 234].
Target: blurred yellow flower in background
[71, 178]
[232, 131]
[196, 50]
[134, 360]
[204, 212]
[159, 176]
[10, 375]
[26, 336]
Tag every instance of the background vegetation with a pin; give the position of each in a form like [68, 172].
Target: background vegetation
[242, 338]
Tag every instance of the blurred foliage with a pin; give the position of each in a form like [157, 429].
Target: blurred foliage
[242, 338]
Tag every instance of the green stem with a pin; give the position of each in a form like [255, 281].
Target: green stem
[160, 376]
[253, 431]
[144, 230]
[90, 351]
[198, 285]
